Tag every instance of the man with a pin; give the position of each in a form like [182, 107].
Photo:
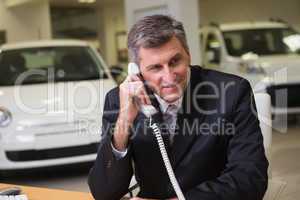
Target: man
[213, 138]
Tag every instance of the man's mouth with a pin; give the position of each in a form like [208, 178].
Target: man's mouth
[169, 86]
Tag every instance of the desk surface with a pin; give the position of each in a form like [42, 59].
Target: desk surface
[36, 193]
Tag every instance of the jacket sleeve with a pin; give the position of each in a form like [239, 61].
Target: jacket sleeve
[110, 176]
[245, 175]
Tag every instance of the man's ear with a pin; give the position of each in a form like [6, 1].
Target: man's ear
[189, 58]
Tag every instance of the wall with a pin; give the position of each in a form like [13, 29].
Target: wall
[11, 3]
[85, 19]
[242, 10]
[185, 11]
[29, 21]
[111, 19]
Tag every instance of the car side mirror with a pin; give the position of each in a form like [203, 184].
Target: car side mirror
[118, 73]
[213, 55]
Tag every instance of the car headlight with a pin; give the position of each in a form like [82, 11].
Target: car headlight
[252, 68]
[5, 117]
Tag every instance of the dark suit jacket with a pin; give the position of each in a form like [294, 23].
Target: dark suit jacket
[217, 155]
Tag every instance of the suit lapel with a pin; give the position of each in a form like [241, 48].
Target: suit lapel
[184, 138]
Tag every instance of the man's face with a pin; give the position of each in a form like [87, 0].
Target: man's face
[165, 69]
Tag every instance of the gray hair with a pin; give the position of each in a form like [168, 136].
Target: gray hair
[154, 31]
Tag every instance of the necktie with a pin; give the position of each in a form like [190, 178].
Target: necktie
[169, 118]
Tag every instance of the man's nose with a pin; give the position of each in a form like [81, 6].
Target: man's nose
[168, 74]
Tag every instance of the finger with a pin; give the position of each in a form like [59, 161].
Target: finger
[133, 78]
[142, 94]
[146, 97]
[130, 78]
[141, 99]
[135, 88]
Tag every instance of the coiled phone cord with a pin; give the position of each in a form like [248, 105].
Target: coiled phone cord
[166, 160]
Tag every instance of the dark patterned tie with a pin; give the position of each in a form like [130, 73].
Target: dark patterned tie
[169, 122]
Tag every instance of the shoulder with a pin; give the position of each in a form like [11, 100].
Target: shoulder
[112, 98]
[113, 93]
[217, 79]
[204, 74]
[228, 89]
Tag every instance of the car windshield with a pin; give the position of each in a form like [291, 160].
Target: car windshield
[267, 41]
[49, 64]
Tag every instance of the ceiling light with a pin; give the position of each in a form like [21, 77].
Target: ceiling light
[86, 1]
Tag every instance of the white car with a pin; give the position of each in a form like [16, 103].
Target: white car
[51, 100]
[265, 53]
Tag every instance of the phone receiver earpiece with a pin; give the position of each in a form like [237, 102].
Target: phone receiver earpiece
[148, 110]
[133, 68]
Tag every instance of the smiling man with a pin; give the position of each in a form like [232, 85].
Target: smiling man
[165, 69]
[210, 160]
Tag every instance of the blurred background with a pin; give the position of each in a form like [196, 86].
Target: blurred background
[58, 58]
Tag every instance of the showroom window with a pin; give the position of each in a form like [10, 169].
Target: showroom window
[2, 37]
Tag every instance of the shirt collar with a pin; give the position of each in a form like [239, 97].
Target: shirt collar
[164, 105]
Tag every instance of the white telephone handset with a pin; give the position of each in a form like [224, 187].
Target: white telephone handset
[148, 111]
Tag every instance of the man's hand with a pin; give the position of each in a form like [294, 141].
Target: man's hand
[132, 93]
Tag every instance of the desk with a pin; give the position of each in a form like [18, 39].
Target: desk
[35, 193]
[274, 191]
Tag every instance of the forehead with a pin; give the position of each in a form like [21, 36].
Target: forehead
[158, 54]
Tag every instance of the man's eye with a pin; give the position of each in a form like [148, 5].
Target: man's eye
[155, 67]
[174, 61]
